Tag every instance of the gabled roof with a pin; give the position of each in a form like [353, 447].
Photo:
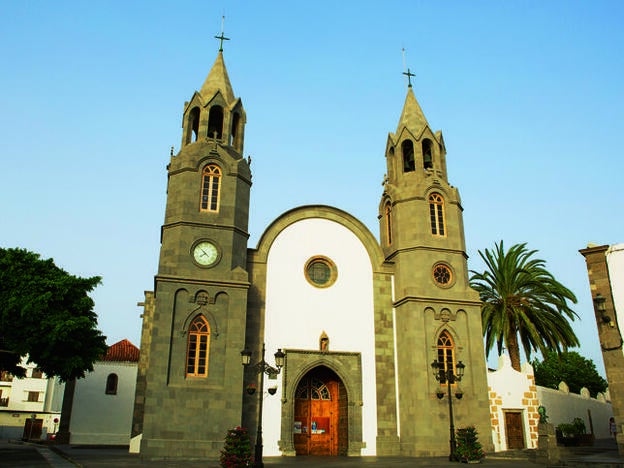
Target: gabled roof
[122, 351]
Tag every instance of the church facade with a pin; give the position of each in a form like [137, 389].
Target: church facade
[359, 319]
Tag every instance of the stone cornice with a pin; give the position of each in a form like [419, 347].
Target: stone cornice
[433, 300]
[195, 281]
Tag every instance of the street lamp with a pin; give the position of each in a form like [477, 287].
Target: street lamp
[601, 308]
[261, 368]
[447, 375]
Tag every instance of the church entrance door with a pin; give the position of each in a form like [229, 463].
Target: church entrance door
[514, 429]
[321, 414]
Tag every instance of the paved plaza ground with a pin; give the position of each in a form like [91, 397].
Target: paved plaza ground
[20, 454]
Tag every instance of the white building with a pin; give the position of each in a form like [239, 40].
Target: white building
[30, 407]
[514, 403]
[103, 401]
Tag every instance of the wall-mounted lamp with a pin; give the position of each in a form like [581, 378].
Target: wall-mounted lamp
[601, 308]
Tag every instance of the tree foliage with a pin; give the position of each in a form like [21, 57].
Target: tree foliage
[46, 313]
[523, 304]
[570, 367]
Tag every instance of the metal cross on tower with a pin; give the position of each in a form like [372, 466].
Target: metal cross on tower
[409, 75]
[222, 37]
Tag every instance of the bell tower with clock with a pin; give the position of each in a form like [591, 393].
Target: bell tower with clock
[194, 328]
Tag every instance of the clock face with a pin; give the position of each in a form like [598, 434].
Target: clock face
[205, 253]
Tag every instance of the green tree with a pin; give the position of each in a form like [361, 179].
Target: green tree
[46, 313]
[571, 368]
[523, 304]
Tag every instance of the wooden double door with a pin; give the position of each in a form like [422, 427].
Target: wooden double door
[321, 422]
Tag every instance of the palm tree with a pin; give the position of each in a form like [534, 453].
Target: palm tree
[523, 303]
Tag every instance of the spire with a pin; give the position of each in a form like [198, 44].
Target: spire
[412, 116]
[218, 80]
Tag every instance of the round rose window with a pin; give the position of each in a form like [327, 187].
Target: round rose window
[320, 272]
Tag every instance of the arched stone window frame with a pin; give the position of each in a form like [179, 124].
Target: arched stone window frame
[211, 188]
[427, 152]
[198, 347]
[407, 151]
[388, 221]
[437, 214]
[192, 133]
[216, 117]
[446, 351]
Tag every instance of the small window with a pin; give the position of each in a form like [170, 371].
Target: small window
[446, 354]
[407, 148]
[111, 384]
[198, 348]
[234, 131]
[388, 218]
[436, 214]
[442, 275]
[215, 122]
[33, 396]
[320, 272]
[211, 185]
[193, 125]
[37, 373]
[427, 154]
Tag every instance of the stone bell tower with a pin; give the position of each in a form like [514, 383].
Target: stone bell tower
[437, 314]
[189, 389]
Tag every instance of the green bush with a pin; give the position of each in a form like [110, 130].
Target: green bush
[576, 427]
[236, 452]
[468, 446]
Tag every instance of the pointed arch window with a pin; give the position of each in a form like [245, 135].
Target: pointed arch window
[234, 130]
[211, 185]
[111, 384]
[446, 354]
[407, 148]
[198, 347]
[436, 214]
[192, 125]
[215, 122]
[388, 220]
[314, 389]
[427, 154]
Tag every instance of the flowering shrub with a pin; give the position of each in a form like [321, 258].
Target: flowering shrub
[468, 446]
[236, 452]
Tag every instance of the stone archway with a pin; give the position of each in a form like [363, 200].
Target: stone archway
[321, 414]
[343, 371]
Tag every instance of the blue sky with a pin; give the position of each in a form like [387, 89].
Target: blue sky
[528, 95]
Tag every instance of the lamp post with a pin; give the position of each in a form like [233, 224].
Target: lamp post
[447, 375]
[261, 368]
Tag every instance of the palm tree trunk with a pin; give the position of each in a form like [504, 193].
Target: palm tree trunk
[514, 351]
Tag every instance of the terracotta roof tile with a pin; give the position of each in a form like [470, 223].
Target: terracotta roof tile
[122, 351]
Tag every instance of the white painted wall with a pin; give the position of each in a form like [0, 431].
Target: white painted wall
[13, 417]
[563, 407]
[297, 313]
[17, 391]
[510, 386]
[98, 418]
[513, 388]
[615, 264]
